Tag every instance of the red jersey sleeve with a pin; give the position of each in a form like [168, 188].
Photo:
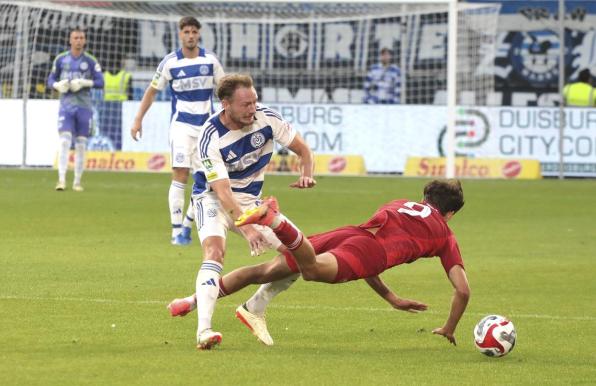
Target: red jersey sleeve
[450, 254]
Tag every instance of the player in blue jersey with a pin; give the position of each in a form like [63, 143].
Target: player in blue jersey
[233, 150]
[191, 74]
[383, 81]
[73, 73]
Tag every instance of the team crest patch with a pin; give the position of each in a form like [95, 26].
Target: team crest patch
[203, 70]
[179, 157]
[83, 66]
[257, 140]
[211, 212]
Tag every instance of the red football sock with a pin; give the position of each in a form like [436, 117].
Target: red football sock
[290, 261]
[289, 235]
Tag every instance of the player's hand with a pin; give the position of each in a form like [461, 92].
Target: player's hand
[136, 131]
[304, 183]
[62, 86]
[409, 305]
[257, 242]
[447, 334]
[77, 84]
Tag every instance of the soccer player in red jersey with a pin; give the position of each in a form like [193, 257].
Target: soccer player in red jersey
[401, 231]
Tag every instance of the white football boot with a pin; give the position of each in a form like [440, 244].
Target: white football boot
[208, 339]
[256, 324]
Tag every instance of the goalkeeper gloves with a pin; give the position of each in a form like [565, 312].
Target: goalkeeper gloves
[61, 86]
[77, 84]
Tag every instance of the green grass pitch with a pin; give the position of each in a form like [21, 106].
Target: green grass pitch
[85, 278]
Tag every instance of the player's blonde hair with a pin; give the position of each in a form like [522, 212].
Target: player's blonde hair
[229, 83]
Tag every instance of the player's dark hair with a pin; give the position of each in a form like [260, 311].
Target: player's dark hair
[444, 195]
[584, 75]
[188, 21]
[229, 83]
[385, 49]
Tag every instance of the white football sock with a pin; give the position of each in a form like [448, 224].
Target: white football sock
[190, 216]
[63, 150]
[80, 147]
[176, 202]
[207, 289]
[266, 292]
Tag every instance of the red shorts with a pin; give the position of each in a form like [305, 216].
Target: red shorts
[358, 253]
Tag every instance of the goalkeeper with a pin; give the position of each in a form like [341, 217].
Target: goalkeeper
[73, 74]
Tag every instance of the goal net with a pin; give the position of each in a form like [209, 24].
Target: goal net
[304, 52]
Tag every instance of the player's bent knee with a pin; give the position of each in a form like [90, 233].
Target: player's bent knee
[311, 274]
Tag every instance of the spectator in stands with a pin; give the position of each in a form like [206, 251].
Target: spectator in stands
[580, 93]
[383, 81]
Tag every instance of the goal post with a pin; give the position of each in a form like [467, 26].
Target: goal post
[305, 52]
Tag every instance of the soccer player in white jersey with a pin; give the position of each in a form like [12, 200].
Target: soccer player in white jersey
[192, 75]
[233, 150]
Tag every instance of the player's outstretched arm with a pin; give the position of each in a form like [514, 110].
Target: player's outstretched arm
[461, 295]
[396, 302]
[307, 163]
[136, 131]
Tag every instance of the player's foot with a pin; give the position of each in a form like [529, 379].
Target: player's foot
[180, 307]
[186, 232]
[60, 186]
[256, 324]
[263, 214]
[208, 339]
[78, 188]
[180, 240]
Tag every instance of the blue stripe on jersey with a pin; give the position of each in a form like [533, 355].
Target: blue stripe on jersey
[179, 54]
[253, 188]
[269, 112]
[173, 106]
[164, 60]
[205, 69]
[251, 169]
[202, 52]
[205, 139]
[192, 119]
[199, 95]
[221, 129]
[243, 145]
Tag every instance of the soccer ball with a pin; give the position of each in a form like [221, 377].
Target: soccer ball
[494, 336]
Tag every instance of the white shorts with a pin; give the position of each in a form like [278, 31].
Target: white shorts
[182, 145]
[211, 219]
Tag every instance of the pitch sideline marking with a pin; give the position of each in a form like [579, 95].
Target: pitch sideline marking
[288, 307]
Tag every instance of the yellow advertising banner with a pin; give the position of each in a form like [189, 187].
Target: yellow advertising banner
[160, 162]
[474, 168]
[123, 161]
[324, 164]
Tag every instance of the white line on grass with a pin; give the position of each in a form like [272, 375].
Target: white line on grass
[286, 307]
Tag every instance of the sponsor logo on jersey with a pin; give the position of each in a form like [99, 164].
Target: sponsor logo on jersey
[211, 176]
[97, 67]
[211, 212]
[155, 80]
[181, 73]
[257, 140]
[194, 83]
[207, 164]
[231, 156]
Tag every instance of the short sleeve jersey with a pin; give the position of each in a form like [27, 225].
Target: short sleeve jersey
[191, 81]
[410, 230]
[239, 155]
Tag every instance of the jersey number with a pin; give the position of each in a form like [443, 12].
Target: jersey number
[415, 209]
